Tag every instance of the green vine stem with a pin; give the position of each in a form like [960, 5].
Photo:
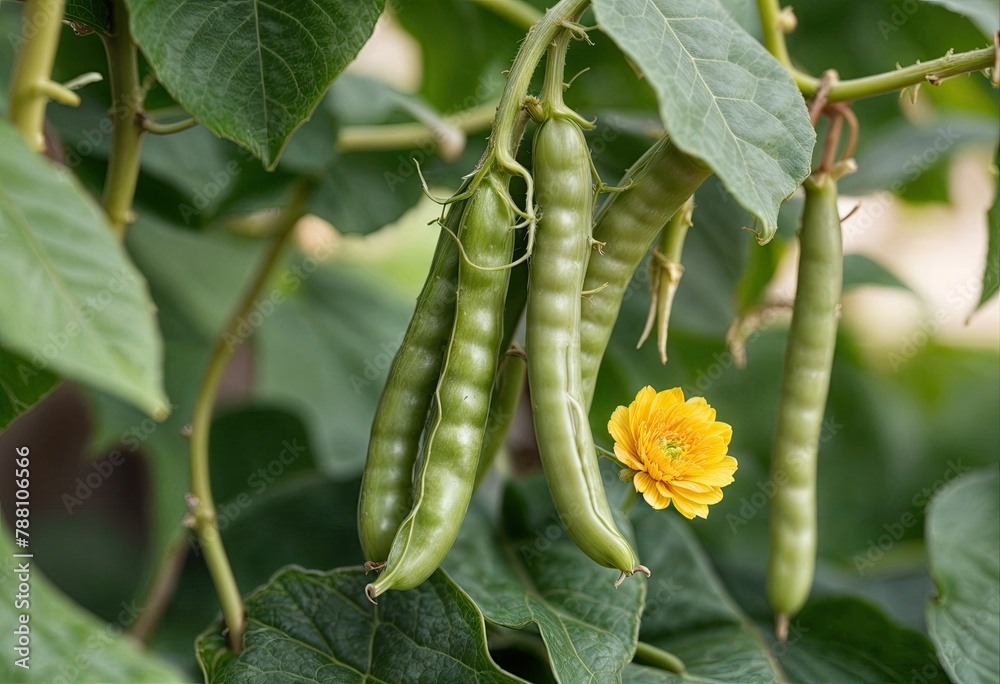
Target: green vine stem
[359, 138]
[773, 24]
[776, 22]
[31, 84]
[200, 503]
[127, 95]
[647, 654]
[500, 150]
[157, 128]
[932, 72]
[516, 11]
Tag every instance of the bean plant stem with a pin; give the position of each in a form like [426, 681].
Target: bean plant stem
[200, 502]
[411, 135]
[161, 590]
[773, 33]
[647, 654]
[519, 79]
[31, 85]
[516, 11]
[933, 72]
[157, 128]
[126, 115]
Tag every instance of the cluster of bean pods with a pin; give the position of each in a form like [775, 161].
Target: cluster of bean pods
[453, 385]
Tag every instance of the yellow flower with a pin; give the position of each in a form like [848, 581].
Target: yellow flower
[676, 450]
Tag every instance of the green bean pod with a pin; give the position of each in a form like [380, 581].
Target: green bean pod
[552, 344]
[812, 338]
[507, 388]
[443, 487]
[402, 409]
[651, 192]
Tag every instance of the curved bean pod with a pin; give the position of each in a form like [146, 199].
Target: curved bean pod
[443, 487]
[552, 344]
[402, 408]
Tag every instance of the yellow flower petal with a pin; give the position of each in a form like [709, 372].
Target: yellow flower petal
[677, 449]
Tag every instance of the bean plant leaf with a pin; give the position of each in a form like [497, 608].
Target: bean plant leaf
[533, 573]
[251, 70]
[848, 640]
[862, 270]
[92, 14]
[83, 310]
[309, 626]
[905, 152]
[688, 612]
[982, 13]
[963, 548]
[324, 352]
[991, 272]
[722, 97]
[19, 389]
[66, 643]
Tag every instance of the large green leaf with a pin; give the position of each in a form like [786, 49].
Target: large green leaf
[324, 353]
[65, 643]
[982, 13]
[83, 309]
[847, 641]
[991, 271]
[531, 572]
[963, 547]
[689, 614]
[722, 97]
[251, 70]
[20, 387]
[308, 626]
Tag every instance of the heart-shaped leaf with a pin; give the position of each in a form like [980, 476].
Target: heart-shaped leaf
[723, 98]
[689, 614]
[533, 573]
[83, 310]
[251, 70]
[308, 626]
[845, 640]
[963, 546]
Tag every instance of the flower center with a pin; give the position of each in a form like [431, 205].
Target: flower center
[671, 448]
